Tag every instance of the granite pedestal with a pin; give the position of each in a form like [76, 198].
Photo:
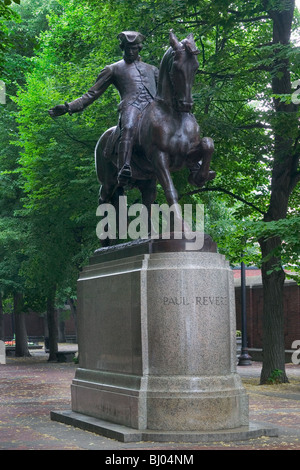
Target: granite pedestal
[157, 346]
[2, 353]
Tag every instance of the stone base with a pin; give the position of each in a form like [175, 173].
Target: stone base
[125, 434]
[2, 353]
[157, 341]
[161, 403]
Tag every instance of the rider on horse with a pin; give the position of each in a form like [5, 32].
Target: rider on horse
[136, 83]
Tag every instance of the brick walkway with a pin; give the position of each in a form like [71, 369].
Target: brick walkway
[30, 388]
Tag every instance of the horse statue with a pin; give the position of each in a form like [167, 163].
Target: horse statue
[168, 137]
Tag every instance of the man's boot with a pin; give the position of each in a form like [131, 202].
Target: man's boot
[125, 149]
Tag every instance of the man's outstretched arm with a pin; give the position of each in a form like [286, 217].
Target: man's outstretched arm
[102, 83]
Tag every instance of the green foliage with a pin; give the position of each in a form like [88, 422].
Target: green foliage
[48, 185]
[5, 11]
[275, 377]
[289, 250]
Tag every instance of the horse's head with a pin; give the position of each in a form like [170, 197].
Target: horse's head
[182, 71]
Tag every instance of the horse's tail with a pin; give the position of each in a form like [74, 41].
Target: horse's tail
[103, 155]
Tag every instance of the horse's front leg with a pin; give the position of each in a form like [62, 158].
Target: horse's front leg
[161, 166]
[148, 191]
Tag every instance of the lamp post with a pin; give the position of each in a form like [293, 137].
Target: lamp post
[244, 358]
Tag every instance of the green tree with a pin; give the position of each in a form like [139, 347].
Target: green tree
[6, 13]
[21, 36]
[59, 180]
[242, 99]
[11, 228]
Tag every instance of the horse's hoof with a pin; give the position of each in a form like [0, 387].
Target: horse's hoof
[211, 175]
[196, 179]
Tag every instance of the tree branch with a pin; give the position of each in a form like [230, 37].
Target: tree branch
[267, 44]
[65, 130]
[225, 191]
[178, 17]
[232, 75]
[249, 20]
[255, 125]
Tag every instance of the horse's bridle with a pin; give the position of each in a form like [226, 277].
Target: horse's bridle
[176, 101]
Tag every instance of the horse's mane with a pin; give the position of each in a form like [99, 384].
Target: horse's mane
[187, 45]
[165, 67]
[167, 59]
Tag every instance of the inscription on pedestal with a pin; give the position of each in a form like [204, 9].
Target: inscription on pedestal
[111, 410]
[201, 300]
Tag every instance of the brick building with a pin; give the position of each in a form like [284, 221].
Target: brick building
[36, 326]
[254, 308]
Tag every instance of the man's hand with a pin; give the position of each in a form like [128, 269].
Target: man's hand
[58, 110]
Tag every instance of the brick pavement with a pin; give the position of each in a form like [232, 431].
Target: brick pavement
[31, 387]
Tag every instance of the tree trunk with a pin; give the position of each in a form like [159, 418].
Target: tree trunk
[20, 327]
[273, 314]
[61, 326]
[52, 329]
[72, 304]
[284, 178]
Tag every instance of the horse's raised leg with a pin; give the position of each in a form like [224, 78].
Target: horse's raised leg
[198, 161]
[207, 150]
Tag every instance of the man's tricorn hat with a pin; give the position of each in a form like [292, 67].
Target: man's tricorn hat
[130, 37]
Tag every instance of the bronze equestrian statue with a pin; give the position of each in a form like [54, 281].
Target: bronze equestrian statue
[156, 134]
[136, 83]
